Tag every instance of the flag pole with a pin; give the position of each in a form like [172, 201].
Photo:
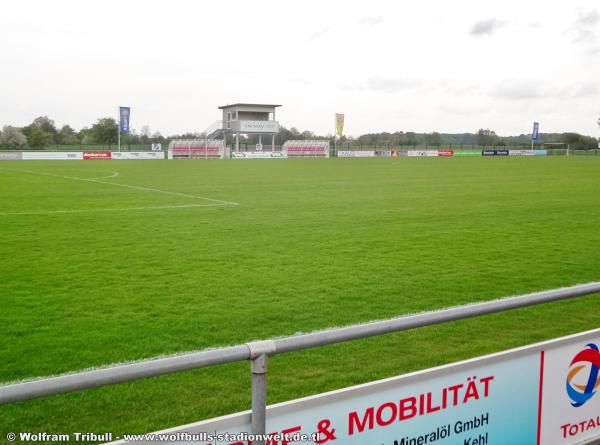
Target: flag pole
[119, 128]
[335, 136]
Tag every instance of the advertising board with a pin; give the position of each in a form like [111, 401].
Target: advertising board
[445, 153]
[52, 155]
[255, 126]
[383, 153]
[486, 152]
[426, 153]
[258, 155]
[91, 155]
[521, 152]
[543, 394]
[147, 155]
[467, 152]
[356, 154]
[10, 155]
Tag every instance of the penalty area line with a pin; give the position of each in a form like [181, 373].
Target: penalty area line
[124, 209]
[135, 187]
[114, 175]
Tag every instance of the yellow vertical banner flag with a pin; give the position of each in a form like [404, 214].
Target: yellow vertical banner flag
[339, 124]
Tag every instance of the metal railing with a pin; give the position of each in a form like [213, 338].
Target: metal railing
[259, 351]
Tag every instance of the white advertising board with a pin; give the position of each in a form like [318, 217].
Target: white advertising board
[53, 155]
[355, 154]
[570, 408]
[255, 126]
[521, 153]
[543, 394]
[258, 155]
[10, 155]
[426, 153]
[138, 155]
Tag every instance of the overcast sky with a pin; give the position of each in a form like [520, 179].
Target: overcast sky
[388, 65]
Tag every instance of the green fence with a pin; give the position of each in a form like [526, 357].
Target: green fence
[84, 147]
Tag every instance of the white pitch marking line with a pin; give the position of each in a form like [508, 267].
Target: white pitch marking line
[148, 189]
[125, 209]
[114, 175]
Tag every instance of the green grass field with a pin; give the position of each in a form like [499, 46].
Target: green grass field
[312, 244]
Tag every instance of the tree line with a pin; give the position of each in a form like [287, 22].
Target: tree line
[484, 137]
[43, 132]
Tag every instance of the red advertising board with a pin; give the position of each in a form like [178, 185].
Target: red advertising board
[87, 155]
[445, 152]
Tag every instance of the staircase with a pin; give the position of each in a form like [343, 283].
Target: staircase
[214, 130]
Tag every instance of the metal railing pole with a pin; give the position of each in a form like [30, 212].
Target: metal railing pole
[259, 397]
[259, 353]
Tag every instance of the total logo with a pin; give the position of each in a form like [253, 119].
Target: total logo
[582, 379]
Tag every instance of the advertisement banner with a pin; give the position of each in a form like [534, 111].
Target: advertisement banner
[521, 152]
[486, 152]
[445, 153]
[124, 113]
[540, 152]
[339, 124]
[91, 155]
[146, 155]
[536, 131]
[467, 152]
[543, 394]
[255, 126]
[427, 153]
[356, 154]
[52, 155]
[570, 402]
[383, 153]
[10, 155]
[258, 155]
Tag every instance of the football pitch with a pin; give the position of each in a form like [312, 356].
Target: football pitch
[116, 261]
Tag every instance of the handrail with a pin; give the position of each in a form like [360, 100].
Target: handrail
[32, 389]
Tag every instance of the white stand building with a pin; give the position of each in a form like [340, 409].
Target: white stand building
[250, 118]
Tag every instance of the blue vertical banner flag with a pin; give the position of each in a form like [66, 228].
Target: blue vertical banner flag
[536, 133]
[124, 113]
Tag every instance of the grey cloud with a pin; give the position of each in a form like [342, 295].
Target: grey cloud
[458, 87]
[385, 84]
[585, 26]
[321, 33]
[575, 91]
[521, 89]
[463, 109]
[370, 21]
[486, 27]
[583, 35]
[534, 25]
[516, 90]
[589, 18]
